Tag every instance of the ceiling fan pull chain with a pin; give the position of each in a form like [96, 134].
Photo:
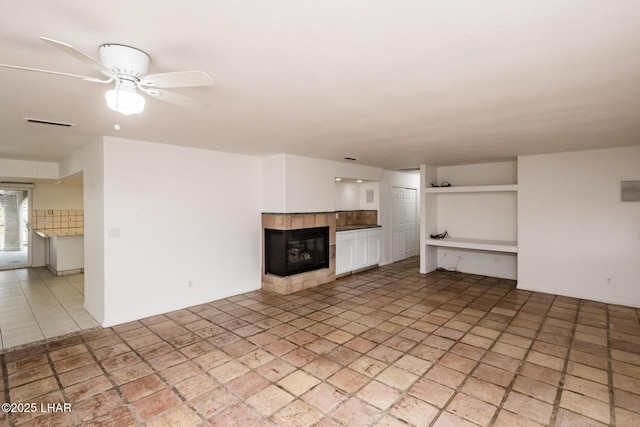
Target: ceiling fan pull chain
[117, 125]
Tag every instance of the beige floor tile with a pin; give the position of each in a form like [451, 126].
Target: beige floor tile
[431, 392]
[529, 407]
[297, 414]
[298, 382]
[445, 376]
[355, 412]
[397, 378]
[585, 405]
[348, 380]
[379, 395]
[587, 388]
[269, 400]
[484, 391]
[509, 419]
[472, 409]
[624, 382]
[626, 418]
[534, 388]
[447, 419]
[324, 397]
[414, 411]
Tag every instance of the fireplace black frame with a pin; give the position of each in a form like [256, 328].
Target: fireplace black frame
[276, 248]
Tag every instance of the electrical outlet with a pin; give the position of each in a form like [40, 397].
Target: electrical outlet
[190, 283]
[609, 280]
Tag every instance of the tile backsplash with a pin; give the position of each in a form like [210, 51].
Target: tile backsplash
[357, 217]
[57, 218]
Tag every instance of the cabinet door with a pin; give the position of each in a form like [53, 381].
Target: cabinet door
[345, 253]
[373, 250]
[361, 250]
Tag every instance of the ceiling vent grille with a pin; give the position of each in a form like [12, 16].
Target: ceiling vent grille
[49, 122]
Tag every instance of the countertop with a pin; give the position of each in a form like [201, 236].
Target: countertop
[59, 232]
[355, 227]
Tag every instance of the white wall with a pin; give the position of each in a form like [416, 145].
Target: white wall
[274, 183]
[365, 187]
[428, 219]
[346, 196]
[573, 230]
[310, 183]
[496, 173]
[491, 216]
[90, 161]
[57, 196]
[352, 195]
[188, 223]
[21, 169]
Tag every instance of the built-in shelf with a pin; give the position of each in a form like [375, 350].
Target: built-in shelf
[479, 210]
[472, 189]
[477, 244]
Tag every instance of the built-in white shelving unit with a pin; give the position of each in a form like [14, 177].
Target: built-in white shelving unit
[472, 189]
[481, 221]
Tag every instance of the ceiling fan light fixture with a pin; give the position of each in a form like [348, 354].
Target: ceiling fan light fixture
[125, 101]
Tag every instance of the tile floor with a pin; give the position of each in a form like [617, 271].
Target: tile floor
[13, 259]
[36, 305]
[387, 347]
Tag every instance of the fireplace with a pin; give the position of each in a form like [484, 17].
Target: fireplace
[289, 252]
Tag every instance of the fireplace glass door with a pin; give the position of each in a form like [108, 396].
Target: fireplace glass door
[289, 252]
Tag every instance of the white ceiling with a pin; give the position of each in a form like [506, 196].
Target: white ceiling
[392, 83]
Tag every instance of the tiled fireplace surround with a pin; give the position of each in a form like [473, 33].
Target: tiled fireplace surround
[293, 221]
[298, 282]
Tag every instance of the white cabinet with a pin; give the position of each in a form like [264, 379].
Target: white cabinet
[345, 251]
[357, 249]
[66, 254]
[361, 260]
[373, 247]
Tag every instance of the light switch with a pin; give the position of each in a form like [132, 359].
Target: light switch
[114, 233]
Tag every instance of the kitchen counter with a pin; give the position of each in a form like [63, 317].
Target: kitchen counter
[55, 232]
[64, 250]
[356, 227]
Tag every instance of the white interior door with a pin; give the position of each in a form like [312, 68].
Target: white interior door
[404, 223]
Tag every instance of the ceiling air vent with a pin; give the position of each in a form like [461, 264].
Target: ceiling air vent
[49, 122]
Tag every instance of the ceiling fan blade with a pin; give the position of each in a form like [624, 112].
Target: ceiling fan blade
[72, 51]
[174, 98]
[178, 79]
[90, 79]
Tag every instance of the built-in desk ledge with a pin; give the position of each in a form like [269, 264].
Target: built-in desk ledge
[355, 227]
[477, 244]
[59, 232]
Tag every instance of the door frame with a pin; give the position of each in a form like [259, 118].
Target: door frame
[29, 232]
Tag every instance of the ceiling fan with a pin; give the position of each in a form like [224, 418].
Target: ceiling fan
[128, 67]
